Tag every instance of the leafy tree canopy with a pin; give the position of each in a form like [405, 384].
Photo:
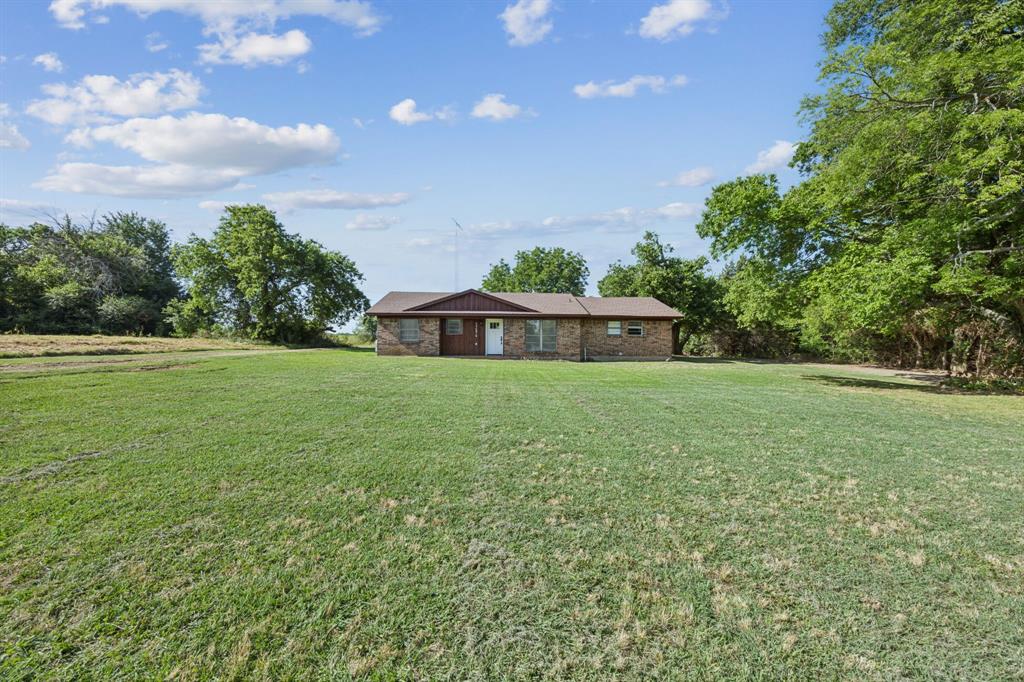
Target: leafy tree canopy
[681, 283]
[540, 270]
[254, 279]
[114, 276]
[909, 223]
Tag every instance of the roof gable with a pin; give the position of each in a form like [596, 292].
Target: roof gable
[472, 300]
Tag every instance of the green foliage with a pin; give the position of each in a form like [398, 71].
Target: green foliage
[996, 385]
[908, 229]
[126, 313]
[255, 280]
[540, 270]
[367, 329]
[110, 276]
[681, 283]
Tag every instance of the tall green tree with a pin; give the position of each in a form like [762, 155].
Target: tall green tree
[540, 270]
[681, 283]
[254, 279]
[906, 236]
[111, 276]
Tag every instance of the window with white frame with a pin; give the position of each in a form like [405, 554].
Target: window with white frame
[453, 327]
[614, 327]
[540, 336]
[408, 330]
[635, 328]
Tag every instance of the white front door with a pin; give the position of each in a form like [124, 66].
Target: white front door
[495, 338]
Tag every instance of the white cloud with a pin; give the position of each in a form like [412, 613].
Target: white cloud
[226, 16]
[97, 98]
[49, 61]
[773, 158]
[214, 205]
[526, 22]
[677, 18]
[366, 221]
[21, 208]
[214, 141]
[10, 136]
[193, 154]
[406, 113]
[254, 49]
[430, 243]
[494, 107]
[242, 28]
[625, 219]
[677, 210]
[695, 177]
[629, 88]
[155, 43]
[362, 123]
[329, 198]
[165, 181]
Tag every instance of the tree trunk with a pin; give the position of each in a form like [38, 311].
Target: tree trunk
[918, 351]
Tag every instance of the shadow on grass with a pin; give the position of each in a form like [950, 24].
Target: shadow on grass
[735, 359]
[856, 382]
[936, 385]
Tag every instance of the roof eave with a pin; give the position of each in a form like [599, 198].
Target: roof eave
[508, 313]
[486, 295]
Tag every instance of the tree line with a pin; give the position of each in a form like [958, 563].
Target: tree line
[121, 275]
[709, 325]
[903, 242]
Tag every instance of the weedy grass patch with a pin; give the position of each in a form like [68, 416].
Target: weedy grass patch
[48, 345]
[318, 514]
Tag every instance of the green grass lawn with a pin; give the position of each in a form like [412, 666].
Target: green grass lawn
[329, 513]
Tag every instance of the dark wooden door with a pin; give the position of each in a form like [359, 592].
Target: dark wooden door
[469, 342]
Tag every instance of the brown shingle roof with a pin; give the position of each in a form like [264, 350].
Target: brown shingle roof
[548, 304]
[557, 305]
[625, 306]
[399, 301]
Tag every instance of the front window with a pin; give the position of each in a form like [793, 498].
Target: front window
[614, 327]
[408, 330]
[635, 328]
[453, 327]
[540, 336]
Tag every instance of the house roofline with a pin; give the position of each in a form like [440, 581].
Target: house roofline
[492, 297]
[495, 314]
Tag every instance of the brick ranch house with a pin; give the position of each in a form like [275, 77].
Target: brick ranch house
[539, 326]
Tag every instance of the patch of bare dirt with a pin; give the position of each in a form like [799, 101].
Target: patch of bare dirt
[151, 362]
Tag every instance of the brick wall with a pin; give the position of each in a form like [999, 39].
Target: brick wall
[655, 343]
[388, 341]
[567, 340]
[571, 336]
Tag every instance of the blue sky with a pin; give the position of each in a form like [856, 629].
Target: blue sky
[576, 124]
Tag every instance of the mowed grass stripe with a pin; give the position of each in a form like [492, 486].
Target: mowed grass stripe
[331, 513]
